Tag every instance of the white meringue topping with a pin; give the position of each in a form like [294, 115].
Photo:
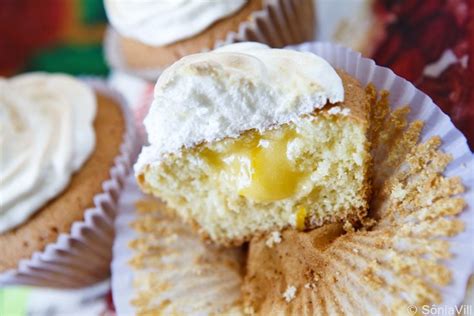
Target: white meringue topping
[222, 93]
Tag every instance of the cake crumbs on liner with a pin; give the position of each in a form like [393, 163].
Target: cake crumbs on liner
[171, 239]
[335, 110]
[398, 192]
[290, 293]
[249, 310]
[275, 238]
[196, 271]
[310, 286]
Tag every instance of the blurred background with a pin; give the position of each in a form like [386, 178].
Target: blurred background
[52, 35]
[429, 42]
[426, 41]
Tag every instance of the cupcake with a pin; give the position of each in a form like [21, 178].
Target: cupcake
[65, 149]
[411, 255]
[146, 37]
[247, 139]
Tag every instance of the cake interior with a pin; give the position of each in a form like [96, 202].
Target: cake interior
[301, 174]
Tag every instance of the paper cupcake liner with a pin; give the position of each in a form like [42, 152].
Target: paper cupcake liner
[179, 273]
[122, 274]
[436, 123]
[83, 256]
[279, 23]
[401, 93]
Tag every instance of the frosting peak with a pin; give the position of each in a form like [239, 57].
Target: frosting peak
[164, 22]
[209, 96]
[46, 134]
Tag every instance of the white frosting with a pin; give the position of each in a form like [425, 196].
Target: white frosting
[46, 134]
[162, 22]
[209, 96]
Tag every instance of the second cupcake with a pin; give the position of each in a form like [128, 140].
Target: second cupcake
[148, 37]
[66, 147]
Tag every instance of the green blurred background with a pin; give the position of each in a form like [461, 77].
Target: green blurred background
[52, 35]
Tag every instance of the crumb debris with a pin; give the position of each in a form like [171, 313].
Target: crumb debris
[348, 227]
[290, 293]
[346, 112]
[398, 192]
[171, 239]
[335, 110]
[275, 238]
[249, 310]
[196, 271]
[310, 286]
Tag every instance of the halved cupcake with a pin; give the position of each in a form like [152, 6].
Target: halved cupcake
[247, 139]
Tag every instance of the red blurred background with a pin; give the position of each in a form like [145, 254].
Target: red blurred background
[66, 36]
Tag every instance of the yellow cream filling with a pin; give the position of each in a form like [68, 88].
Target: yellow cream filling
[258, 165]
[300, 218]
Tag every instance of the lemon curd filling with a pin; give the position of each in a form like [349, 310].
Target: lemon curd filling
[300, 218]
[258, 165]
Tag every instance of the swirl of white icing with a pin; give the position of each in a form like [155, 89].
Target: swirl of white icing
[46, 133]
[222, 93]
[164, 22]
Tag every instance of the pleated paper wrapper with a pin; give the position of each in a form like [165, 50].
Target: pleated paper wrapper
[441, 257]
[82, 257]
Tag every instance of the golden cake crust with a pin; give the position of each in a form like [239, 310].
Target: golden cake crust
[355, 99]
[57, 216]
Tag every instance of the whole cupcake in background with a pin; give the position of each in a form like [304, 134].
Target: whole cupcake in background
[146, 36]
[66, 147]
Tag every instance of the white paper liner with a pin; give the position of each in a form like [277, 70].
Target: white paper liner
[279, 23]
[214, 274]
[402, 93]
[82, 257]
[122, 274]
[436, 122]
